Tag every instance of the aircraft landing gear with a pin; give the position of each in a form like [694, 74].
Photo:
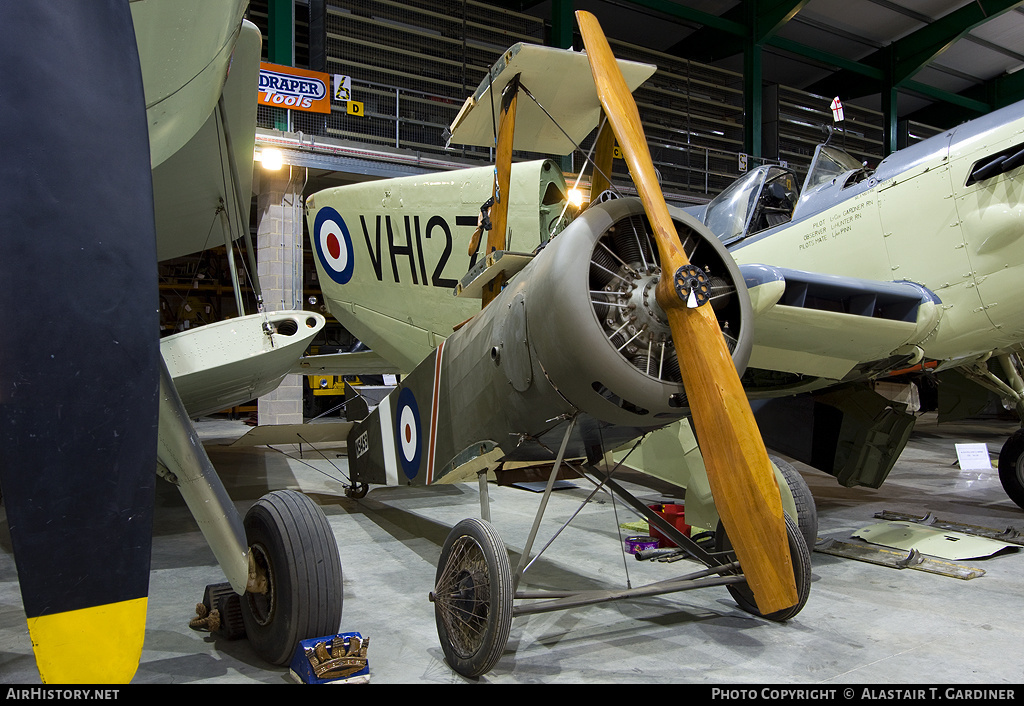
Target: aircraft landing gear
[298, 592]
[357, 490]
[472, 597]
[1011, 467]
[806, 512]
[801, 570]
[475, 589]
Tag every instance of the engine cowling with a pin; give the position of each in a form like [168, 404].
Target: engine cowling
[594, 323]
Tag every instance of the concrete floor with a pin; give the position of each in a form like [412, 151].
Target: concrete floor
[863, 624]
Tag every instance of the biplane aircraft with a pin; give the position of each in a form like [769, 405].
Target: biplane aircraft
[858, 277]
[586, 338]
[135, 125]
[530, 376]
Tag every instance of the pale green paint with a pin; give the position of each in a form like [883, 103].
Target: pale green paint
[404, 322]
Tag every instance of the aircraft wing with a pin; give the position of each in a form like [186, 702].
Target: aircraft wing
[327, 434]
[186, 49]
[825, 325]
[197, 197]
[358, 363]
[563, 86]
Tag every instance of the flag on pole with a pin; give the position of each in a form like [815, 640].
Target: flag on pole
[837, 110]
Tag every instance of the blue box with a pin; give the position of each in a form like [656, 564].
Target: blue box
[333, 659]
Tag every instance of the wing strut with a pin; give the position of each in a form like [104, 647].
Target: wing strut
[502, 180]
[742, 481]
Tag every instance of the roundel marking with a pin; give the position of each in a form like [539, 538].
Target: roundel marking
[410, 433]
[333, 245]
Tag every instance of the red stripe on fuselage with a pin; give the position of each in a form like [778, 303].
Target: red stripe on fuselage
[433, 414]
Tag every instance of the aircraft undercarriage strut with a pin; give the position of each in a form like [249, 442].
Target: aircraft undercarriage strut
[183, 461]
[475, 588]
[1012, 391]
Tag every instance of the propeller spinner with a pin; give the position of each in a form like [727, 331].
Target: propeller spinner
[741, 477]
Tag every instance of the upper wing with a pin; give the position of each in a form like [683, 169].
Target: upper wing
[202, 189]
[563, 87]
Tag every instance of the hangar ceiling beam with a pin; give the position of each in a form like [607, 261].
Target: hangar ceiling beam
[763, 18]
[905, 57]
[725, 23]
[996, 93]
[746, 28]
[913, 52]
[280, 32]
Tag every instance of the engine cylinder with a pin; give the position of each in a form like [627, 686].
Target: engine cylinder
[577, 333]
[598, 333]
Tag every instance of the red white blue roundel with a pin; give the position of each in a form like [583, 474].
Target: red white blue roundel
[410, 433]
[333, 245]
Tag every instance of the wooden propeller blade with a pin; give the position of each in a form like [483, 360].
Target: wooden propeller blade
[741, 477]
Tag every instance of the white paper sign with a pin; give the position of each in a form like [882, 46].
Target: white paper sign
[837, 110]
[342, 87]
[973, 457]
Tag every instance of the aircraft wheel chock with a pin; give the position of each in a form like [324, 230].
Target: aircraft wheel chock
[1011, 467]
[292, 545]
[472, 597]
[801, 570]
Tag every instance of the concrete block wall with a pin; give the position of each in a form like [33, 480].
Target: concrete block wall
[279, 243]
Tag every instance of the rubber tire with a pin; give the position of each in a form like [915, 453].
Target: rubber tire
[498, 621]
[806, 510]
[801, 572]
[289, 533]
[1011, 467]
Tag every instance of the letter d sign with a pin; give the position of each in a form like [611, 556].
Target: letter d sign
[354, 108]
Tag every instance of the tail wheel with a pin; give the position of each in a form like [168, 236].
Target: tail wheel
[473, 597]
[292, 545]
[1011, 467]
[801, 571]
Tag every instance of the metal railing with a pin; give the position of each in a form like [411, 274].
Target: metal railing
[415, 121]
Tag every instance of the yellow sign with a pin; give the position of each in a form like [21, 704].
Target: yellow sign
[354, 108]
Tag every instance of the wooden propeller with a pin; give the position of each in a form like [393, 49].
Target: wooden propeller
[741, 477]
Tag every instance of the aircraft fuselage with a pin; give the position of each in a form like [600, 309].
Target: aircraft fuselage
[920, 218]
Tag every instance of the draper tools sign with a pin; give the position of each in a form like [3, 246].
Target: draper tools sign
[298, 89]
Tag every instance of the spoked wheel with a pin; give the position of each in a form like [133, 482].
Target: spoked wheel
[292, 546]
[473, 597]
[1011, 467]
[801, 571]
